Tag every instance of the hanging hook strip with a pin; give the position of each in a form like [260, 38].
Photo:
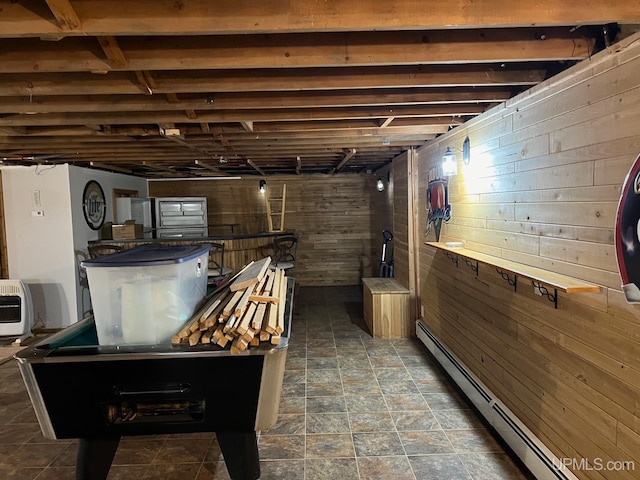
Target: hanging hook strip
[552, 297]
[511, 281]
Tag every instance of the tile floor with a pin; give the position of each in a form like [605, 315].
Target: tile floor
[352, 407]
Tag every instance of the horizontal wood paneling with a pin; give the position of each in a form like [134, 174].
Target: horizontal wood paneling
[332, 216]
[542, 189]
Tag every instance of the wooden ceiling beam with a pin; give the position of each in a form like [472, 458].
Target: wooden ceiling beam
[250, 100]
[106, 166]
[198, 17]
[386, 122]
[207, 165]
[256, 168]
[480, 75]
[114, 118]
[146, 82]
[66, 16]
[242, 145]
[297, 51]
[348, 156]
[13, 131]
[247, 125]
[112, 50]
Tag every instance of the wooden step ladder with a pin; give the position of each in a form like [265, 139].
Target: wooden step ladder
[275, 209]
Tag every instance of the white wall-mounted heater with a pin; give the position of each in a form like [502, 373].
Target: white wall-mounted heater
[16, 310]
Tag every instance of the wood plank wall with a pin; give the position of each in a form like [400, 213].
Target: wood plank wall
[542, 189]
[403, 227]
[382, 205]
[332, 216]
[4, 264]
[401, 236]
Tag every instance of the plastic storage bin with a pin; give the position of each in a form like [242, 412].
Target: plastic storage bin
[145, 294]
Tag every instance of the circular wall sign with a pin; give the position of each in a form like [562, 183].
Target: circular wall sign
[94, 205]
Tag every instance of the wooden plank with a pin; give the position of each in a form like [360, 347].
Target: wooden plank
[238, 345]
[212, 306]
[194, 338]
[264, 299]
[206, 336]
[281, 305]
[243, 326]
[242, 303]
[272, 318]
[269, 285]
[231, 304]
[231, 323]
[259, 288]
[65, 14]
[258, 317]
[213, 317]
[252, 275]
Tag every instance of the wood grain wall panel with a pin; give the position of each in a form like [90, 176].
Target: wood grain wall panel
[585, 234]
[584, 272]
[497, 238]
[597, 130]
[586, 214]
[571, 374]
[610, 193]
[403, 269]
[404, 228]
[580, 252]
[331, 215]
[382, 216]
[594, 152]
[609, 170]
[595, 88]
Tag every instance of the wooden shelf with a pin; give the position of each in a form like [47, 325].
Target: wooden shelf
[539, 277]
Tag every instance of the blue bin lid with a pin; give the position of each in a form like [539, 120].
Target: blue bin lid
[150, 255]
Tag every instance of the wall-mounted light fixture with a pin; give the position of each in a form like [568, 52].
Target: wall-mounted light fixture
[466, 151]
[380, 184]
[263, 184]
[449, 163]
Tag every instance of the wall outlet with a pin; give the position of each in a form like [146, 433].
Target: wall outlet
[37, 213]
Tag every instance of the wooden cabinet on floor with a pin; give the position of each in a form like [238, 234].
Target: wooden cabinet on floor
[386, 308]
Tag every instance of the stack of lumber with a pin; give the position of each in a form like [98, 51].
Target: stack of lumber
[246, 312]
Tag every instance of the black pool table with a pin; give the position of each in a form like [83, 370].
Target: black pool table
[80, 389]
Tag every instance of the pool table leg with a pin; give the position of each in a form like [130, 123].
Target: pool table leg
[95, 457]
[240, 451]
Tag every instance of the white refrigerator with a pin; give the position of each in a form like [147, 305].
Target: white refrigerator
[138, 209]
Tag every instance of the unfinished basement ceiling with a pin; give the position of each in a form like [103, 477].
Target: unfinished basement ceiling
[200, 88]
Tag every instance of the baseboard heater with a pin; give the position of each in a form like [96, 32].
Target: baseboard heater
[531, 451]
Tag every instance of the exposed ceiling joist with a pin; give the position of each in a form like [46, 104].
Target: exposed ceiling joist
[201, 17]
[348, 156]
[115, 56]
[167, 83]
[256, 168]
[65, 15]
[113, 168]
